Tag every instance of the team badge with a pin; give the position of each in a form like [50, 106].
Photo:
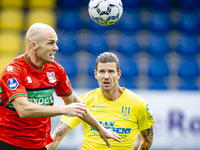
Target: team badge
[125, 110]
[51, 77]
[12, 83]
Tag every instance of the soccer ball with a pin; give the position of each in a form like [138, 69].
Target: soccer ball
[105, 12]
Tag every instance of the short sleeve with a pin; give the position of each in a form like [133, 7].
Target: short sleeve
[72, 122]
[64, 87]
[12, 82]
[145, 120]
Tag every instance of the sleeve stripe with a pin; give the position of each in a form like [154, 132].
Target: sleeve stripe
[17, 95]
[65, 94]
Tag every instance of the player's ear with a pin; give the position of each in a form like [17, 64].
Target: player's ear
[119, 74]
[33, 45]
[95, 74]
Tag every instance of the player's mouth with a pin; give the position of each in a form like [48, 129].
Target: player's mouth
[106, 83]
[52, 55]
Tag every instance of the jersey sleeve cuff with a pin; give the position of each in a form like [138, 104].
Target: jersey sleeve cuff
[68, 94]
[17, 95]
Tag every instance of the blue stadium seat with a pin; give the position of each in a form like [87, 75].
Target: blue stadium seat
[70, 65]
[128, 84]
[188, 85]
[129, 69]
[157, 45]
[159, 4]
[188, 4]
[91, 83]
[158, 69]
[188, 46]
[97, 44]
[91, 66]
[67, 44]
[129, 22]
[69, 20]
[189, 69]
[131, 3]
[127, 45]
[157, 85]
[189, 22]
[160, 21]
[69, 3]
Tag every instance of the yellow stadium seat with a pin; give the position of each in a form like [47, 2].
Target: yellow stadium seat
[10, 42]
[41, 3]
[4, 59]
[11, 3]
[46, 16]
[11, 18]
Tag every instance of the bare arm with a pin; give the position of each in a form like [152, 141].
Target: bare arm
[147, 139]
[104, 133]
[61, 130]
[28, 109]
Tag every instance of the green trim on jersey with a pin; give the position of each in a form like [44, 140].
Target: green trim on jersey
[21, 94]
[65, 94]
[0, 93]
[32, 64]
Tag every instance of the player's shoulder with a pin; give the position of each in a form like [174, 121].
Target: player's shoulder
[134, 97]
[89, 95]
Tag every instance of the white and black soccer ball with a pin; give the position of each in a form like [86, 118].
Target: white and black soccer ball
[105, 12]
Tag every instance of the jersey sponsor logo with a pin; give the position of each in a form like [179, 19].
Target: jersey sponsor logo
[12, 83]
[29, 79]
[125, 111]
[51, 77]
[111, 125]
[10, 69]
[41, 100]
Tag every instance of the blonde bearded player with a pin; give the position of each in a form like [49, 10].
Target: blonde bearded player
[115, 108]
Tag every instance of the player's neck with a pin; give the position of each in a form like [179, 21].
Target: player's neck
[113, 94]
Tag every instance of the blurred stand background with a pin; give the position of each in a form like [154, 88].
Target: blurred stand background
[157, 42]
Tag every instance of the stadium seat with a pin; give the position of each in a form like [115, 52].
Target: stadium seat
[67, 44]
[91, 67]
[129, 22]
[41, 4]
[157, 85]
[11, 3]
[157, 45]
[127, 45]
[189, 69]
[127, 84]
[188, 85]
[91, 83]
[188, 46]
[131, 3]
[96, 44]
[158, 69]
[159, 4]
[129, 69]
[189, 22]
[160, 21]
[188, 4]
[10, 42]
[46, 16]
[68, 20]
[69, 3]
[70, 65]
[11, 18]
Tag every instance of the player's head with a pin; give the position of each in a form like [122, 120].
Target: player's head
[107, 71]
[107, 57]
[41, 42]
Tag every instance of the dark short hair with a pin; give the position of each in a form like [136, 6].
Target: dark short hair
[107, 57]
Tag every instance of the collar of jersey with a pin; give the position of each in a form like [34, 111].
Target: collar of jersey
[32, 64]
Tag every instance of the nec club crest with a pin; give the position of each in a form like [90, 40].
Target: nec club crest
[125, 111]
[51, 77]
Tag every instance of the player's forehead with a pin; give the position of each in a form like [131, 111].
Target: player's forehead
[107, 66]
[50, 35]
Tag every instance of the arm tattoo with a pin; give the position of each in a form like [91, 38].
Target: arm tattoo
[61, 129]
[147, 136]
